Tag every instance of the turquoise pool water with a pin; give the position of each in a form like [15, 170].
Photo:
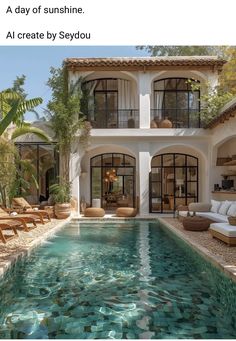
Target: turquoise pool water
[116, 280]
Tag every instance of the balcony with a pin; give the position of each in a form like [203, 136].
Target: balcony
[180, 118]
[114, 119]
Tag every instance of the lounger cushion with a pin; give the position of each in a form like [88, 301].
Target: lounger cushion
[21, 202]
[199, 207]
[215, 205]
[219, 218]
[224, 207]
[224, 228]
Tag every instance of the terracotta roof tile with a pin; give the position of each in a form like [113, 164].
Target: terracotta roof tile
[145, 62]
[229, 110]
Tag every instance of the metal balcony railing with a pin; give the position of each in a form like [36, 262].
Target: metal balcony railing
[114, 119]
[180, 118]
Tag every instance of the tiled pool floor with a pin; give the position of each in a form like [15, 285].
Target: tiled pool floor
[120, 280]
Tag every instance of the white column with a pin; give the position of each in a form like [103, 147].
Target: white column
[144, 168]
[75, 177]
[144, 99]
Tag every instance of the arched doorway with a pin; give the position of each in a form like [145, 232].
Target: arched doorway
[113, 180]
[173, 181]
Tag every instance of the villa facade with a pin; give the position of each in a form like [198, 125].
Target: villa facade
[149, 147]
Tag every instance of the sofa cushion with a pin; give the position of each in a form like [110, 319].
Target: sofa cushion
[215, 205]
[225, 229]
[219, 218]
[232, 210]
[199, 207]
[224, 207]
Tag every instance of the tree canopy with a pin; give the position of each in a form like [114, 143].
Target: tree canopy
[188, 50]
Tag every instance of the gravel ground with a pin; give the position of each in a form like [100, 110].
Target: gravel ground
[215, 246]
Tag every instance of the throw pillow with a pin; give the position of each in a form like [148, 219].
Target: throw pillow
[215, 205]
[232, 210]
[224, 207]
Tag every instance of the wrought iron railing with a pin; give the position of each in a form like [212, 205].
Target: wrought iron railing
[114, 119]
[180, 118]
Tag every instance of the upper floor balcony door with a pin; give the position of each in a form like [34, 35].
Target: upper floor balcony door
[111, 104]
[106, 103]
[175, 100]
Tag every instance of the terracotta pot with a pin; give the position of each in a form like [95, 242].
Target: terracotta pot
[153, 124]
[62, 211]
[166, 123]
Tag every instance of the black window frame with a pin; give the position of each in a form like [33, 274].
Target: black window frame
[161, 166]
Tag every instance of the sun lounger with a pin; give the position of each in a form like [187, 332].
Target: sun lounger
[8, 225]
[24, 219]
[22, 204]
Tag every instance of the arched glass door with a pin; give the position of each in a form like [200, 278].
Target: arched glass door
[113, 180]
[173, 181]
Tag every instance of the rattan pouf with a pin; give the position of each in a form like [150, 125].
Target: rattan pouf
[126, 212]
[196, 223]
[94, 212]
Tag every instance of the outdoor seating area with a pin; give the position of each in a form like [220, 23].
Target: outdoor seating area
[218, 216]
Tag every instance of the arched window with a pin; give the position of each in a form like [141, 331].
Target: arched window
[175, 100]
[110, 103]
[173, 181]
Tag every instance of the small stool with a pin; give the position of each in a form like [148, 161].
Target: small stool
[94, 212]
[126, 212]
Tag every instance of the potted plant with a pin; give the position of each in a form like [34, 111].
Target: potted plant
[61, 194]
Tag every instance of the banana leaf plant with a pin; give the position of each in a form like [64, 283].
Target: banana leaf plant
[12, 110]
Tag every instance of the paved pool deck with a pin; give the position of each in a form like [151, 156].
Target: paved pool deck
[214, 250]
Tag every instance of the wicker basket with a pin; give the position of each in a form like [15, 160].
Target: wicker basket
[232, 220]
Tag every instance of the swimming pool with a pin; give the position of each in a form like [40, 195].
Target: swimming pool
[116, 280]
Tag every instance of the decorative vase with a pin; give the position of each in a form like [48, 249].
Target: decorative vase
[62, 211]
[166, 123]
[153, 124]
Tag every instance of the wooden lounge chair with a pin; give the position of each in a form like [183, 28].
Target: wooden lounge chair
[24, 219]
[8, 225]
[24, 207]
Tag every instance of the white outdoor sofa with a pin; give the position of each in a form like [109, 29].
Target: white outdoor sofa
[218, 212]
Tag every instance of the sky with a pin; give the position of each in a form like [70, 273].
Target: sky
[35, 61]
